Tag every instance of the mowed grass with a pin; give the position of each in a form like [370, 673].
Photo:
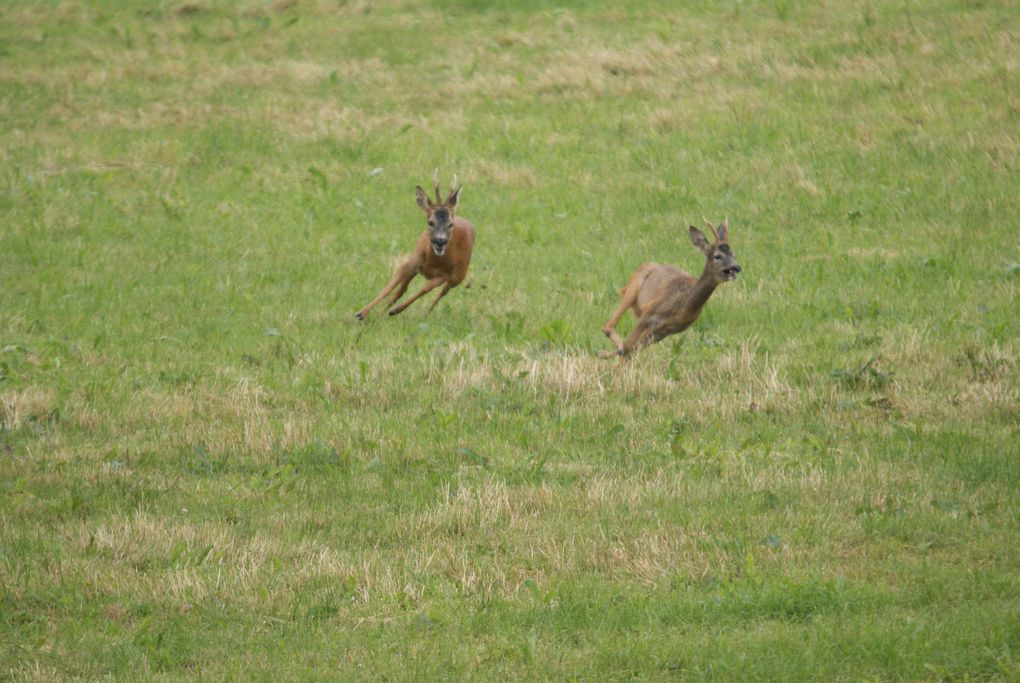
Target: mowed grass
[209, 469]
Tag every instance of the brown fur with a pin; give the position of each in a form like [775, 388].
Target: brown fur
[667, 300]
[448, 269]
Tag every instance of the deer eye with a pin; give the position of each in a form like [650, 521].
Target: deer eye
[432, 224]
[718, 257]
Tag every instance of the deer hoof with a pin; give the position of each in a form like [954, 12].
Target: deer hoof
[359, 315]
[394, 311]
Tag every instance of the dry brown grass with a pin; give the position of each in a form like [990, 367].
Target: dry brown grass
[19, 409]
[502, 174]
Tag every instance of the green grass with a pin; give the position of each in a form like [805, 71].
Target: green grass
[209, 469]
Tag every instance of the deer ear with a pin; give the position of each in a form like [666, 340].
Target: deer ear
[423, 199]
[451, 200]
[699, 239]
[723, 231]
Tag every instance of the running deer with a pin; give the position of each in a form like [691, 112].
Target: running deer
[442, 254]
[667, 300]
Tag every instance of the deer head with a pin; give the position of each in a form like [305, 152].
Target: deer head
[438, 214]
[720, 264]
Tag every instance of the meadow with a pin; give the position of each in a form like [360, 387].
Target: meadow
[209, 469]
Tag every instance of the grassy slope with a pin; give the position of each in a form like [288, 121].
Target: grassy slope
[207, 467]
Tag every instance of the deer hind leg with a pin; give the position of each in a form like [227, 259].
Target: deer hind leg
[429, 286]
[628, 300]
[402, 276]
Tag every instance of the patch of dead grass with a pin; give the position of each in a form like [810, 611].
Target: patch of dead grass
[241, 421]
[875, 252]
[672, 117]
[20, 408]
[609, 489]
[587, 378]
[485, 509]
[650, 556]
[325, 120]
[501, 173]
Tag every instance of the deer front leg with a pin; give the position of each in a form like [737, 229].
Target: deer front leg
[399, 293]
[622, 348]
[402, 276]
[442, 293]
[652, 332]
[429, 286]
[644, 333]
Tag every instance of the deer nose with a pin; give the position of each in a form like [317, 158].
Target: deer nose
[735, 268]
[440, 241]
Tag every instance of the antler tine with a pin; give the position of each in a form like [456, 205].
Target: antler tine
[715, 236]
[435, 184]
[454, 186]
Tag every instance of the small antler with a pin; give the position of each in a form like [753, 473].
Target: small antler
[715, 236]
[724, 230]
[435, 184]
[454, 186]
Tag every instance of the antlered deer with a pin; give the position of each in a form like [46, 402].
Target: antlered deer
[667, 300]
[442, 254]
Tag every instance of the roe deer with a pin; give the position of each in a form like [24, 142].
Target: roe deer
[442, 254]
[665, 299]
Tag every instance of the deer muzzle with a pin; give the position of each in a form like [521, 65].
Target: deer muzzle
[439, 246]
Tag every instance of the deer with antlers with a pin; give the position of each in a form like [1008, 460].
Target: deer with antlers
[666, 300]
[442, 254]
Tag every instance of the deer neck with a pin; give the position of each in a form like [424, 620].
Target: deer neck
[701, 291]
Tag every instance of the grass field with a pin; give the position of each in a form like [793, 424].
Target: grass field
[209, 469]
